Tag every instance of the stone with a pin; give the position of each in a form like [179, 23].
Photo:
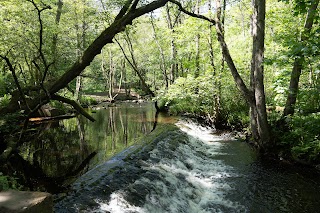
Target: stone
[24, 201]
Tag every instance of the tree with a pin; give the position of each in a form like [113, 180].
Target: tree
[171, 25]
[254, 96]
[299, 60]
[126, 15]
[163, 66]
[134, 65]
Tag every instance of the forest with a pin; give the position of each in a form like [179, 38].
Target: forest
[244, 66]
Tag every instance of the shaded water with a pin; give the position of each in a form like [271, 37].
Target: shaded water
[61, 151]
[185, 167]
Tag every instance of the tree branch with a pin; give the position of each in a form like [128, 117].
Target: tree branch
[13, 71]
[40, 48]
[75, 105]
[123, 10]
[134, 4]
[135, 68]
[181, 8]
[123, 19]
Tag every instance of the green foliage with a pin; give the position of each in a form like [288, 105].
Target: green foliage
[4, 101]
[9, 124]
[196, 96]
[190, 95]
[6, 82]
[309, 100]
[87, 101]
[7, 182]
[303, 137]
[234, 109]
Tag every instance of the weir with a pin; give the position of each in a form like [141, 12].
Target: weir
[185, 167]
[134, 160]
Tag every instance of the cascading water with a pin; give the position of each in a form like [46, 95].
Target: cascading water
[191, 170]
[181, 177]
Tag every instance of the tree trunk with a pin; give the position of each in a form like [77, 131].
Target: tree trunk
[298, 62]
[127, 14]
[197, 70]
[133, 64]
[77, 93]
[225, 51]
[81, 41]
[217, 83]
[163, 62]
[126, 89]
[55, 36]
[256, 97]
[111, 71]
[258, 26]
[173, 58]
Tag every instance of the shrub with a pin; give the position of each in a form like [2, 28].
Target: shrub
[7, 182]
[4, 101]
[196, 96]
[303, 137]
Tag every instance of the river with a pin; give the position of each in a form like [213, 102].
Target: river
[130, 160]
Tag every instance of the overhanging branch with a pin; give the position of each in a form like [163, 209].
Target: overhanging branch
[75, 105]
[181, 8]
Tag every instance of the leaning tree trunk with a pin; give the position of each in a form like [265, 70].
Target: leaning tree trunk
[133, 64]
[256, 97]
[127, 14]
[298, 62]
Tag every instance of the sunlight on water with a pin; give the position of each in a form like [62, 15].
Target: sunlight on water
[205, 134]
[185, 179]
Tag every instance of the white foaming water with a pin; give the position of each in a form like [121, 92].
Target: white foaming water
[188, 179]
[205, 134]
[118, 204]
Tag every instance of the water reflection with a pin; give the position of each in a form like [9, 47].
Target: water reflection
[62, 151]
[118, 127]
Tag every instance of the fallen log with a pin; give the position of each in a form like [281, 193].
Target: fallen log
[52, 118]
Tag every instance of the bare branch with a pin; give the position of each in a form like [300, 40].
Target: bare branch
[13, 71]
[41, 54]
[181, 8]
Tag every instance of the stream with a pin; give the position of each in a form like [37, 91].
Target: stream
[147, 163]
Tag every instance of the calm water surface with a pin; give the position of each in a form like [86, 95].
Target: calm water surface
[64, 150]
[128, 161]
